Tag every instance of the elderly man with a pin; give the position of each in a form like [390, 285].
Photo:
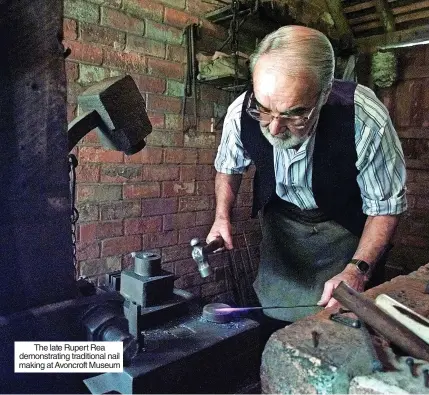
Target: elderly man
[330, 176]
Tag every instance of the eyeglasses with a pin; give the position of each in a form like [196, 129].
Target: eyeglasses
[296, 118]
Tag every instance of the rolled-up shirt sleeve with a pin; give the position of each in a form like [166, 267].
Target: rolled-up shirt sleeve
[231, 156]
[381, 165]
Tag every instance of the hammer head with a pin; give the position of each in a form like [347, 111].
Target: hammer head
[200, 257]
[122, 109]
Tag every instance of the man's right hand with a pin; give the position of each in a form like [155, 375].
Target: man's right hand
[221, 227]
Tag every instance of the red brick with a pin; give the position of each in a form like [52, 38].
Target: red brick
[98, 192]
[205, 187]
[189, 280]
[144, 8]
[205, 125]
[142, 225]
[165, 138]
[120, 245]
[244, 200]
[145, 46]
[119, 20]
[163, 103]
[160, 173]
[241, 213]
[188, 173]
[200, 8]
[83, 52]
[91, 138]
[206, 156]
[100, 230]
[214, 95]
[72, 71]
[177, 188]
[158, 206]
[87, 251]
[180, 156]
[149, 155]
[200, 140]
[206, 173]
[212, 289]
[246, 185]
[163, 33]
[185, 266]
[178, 221]
[186, 235]
[100, 155]
[205, 217]
[159, 239]
[120, 173]
[88, 173]
[176, 54]
[194, 203]
[157, 120]
[148, 84]
[71, 112]
[120, 209]
[142, 190]
[88, 211]
[70, 29]
[165, 68]
[73, 91]
[176, 253]
[102, 35]
[178, 18]
[131, 62]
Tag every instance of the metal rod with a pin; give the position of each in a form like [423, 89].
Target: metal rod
[240, 309]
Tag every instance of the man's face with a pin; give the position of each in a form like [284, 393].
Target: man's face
[290, 105]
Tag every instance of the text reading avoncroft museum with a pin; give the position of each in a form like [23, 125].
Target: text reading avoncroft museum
[68, 357]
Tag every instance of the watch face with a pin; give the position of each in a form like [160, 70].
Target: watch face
[361, 265]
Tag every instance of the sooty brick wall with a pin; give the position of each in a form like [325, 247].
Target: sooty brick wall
[163, 196]
[408, 103]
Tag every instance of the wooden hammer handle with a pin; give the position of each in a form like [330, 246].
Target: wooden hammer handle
[387, 326]
[215, 244]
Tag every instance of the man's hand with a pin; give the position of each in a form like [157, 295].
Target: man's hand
[221, 227]
[351, 276]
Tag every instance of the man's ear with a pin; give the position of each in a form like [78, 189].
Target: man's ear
[327, 92]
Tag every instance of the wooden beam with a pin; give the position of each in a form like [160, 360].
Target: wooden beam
[385, 14]
[358, 7]
[412, 17]
[336, 11]
[410, 7]
[370, 44]
[367, 26]
[363, 19]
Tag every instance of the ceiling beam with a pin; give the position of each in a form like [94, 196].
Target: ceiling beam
[385, 15]
[341, 23]
[371, 44]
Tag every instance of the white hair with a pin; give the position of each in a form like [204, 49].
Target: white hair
[299, 49]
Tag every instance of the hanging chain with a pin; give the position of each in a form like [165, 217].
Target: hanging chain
[234, 28]
[74, 212]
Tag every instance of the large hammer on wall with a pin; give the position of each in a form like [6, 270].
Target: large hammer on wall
[117, 110]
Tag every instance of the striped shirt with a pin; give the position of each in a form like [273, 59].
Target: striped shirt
[380, 160]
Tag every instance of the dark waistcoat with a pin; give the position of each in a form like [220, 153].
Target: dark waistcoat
[334, 184]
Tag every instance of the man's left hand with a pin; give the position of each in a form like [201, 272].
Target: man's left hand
[351, 276]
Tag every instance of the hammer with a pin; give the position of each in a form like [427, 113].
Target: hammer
[200, 252]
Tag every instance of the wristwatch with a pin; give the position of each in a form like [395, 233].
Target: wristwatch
[362, 266]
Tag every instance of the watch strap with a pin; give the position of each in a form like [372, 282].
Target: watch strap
[361, 265]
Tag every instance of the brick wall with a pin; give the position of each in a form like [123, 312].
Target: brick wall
[163, 196]
[408, 103]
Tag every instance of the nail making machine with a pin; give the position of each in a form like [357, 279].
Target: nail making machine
[169, 345]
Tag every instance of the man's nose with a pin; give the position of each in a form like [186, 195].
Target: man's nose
[275, 127]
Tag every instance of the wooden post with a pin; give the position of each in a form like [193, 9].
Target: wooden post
[386, 15]
[35, 230]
